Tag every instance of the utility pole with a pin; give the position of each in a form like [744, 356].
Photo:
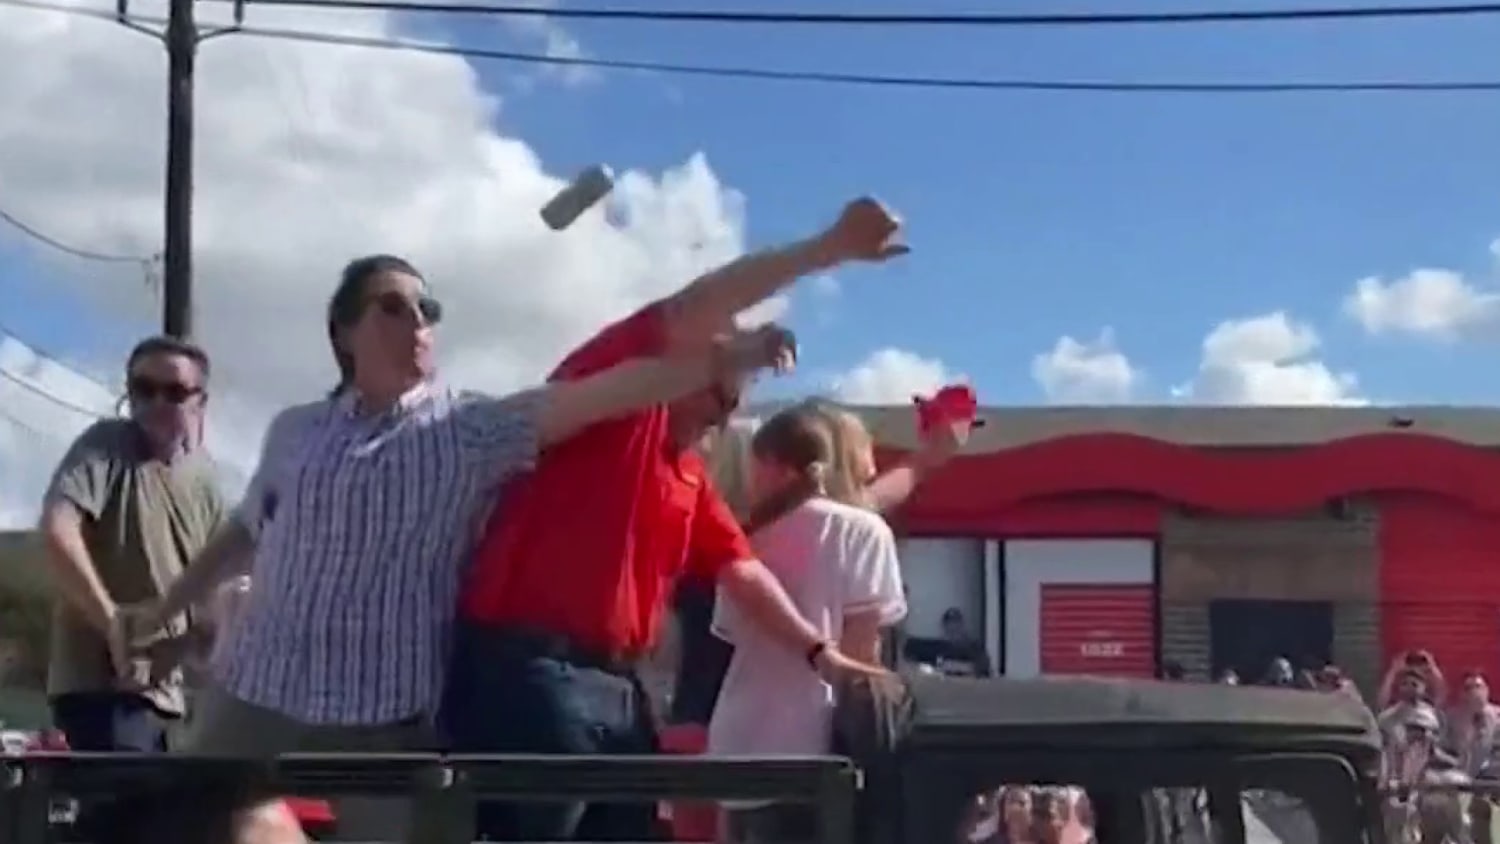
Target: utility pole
[181, 38]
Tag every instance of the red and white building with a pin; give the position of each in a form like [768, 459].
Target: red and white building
[1109, 540]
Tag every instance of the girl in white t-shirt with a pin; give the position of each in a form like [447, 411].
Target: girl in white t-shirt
[838, 563]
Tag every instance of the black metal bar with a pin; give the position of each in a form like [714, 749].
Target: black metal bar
[836, 804]
[798, 779]
[443, 788]
[32, 803]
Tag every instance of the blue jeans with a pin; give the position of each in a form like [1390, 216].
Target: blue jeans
[105, 722]
[518, 692]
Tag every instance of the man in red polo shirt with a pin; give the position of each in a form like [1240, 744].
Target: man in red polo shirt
[572, 576]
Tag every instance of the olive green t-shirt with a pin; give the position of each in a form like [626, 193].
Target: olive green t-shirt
[144, 521]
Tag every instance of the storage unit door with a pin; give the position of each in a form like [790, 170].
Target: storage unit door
[1080, 605]
[1098, 628]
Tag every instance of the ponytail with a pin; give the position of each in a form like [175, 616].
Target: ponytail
[777, 505]
[797, 438]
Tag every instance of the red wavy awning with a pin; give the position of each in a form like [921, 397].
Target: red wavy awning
[1228, 481]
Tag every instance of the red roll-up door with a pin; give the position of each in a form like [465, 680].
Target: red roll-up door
[1462, 636]
[1104, 629]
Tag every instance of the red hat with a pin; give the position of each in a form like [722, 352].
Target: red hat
[952, 404]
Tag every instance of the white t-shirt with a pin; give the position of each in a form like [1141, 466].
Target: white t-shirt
[834, 560]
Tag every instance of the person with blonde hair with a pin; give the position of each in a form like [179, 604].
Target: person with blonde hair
[851, 478]
[837, 562]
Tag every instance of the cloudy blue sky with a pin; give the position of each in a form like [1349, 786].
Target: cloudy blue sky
[1067, 246]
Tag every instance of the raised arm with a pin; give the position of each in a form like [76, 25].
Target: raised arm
[569, 406]
[865, 231]
[896, 484]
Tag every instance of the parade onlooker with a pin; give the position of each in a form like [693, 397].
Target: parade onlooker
[1435, 688]
[535, 664]
[838, 564]
[1409, 705]
[360, 516]
[1280, 673]
[957, 652]
[131, 503]
[1331, 678]
[1471, 733]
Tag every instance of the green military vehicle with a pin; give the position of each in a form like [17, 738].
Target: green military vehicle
[1153, 761]
[1144, 762]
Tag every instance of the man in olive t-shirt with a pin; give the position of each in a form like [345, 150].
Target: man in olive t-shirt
[131, 503]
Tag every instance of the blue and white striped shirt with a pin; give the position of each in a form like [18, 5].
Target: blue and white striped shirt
[362, 525]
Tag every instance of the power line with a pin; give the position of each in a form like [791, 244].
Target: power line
[38, 390]
[933, 82]
[55, 360]
[24, 425]
[829, 77]
[889, 19]
[61, 246]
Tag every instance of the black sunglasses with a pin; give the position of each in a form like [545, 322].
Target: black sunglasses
[398, 305]
[146, 389]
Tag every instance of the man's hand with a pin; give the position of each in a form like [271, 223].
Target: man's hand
[865, 231]
[768, 347]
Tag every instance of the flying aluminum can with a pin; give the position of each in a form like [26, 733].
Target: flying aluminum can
[583, 193]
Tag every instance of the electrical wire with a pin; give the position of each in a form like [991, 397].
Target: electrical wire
[42, 237]
[24, 425]
[55, 360]
[931, 82]
[909, 19]
[830, 77]
[38, 390]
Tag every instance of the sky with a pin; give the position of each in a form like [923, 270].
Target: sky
[1067, 248]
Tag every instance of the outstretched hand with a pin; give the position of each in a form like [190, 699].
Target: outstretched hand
[866, 230]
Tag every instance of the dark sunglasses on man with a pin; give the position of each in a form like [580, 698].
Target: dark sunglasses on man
[144, 390]
[399, 306]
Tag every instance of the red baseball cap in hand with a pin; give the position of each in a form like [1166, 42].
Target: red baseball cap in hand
[951, 405]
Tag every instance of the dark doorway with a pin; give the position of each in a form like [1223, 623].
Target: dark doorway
[1247, 635]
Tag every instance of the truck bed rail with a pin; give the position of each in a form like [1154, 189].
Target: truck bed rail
[444, 788]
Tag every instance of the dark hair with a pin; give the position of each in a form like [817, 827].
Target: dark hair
[348, 304]
[799, 439]
[1173, 670]
[164, 345]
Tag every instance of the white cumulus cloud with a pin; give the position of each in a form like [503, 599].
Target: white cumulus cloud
[1268, 359]
[1435, 304]
[1085, 372]
[309, 155]
[1432, 303]
[891, 376]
